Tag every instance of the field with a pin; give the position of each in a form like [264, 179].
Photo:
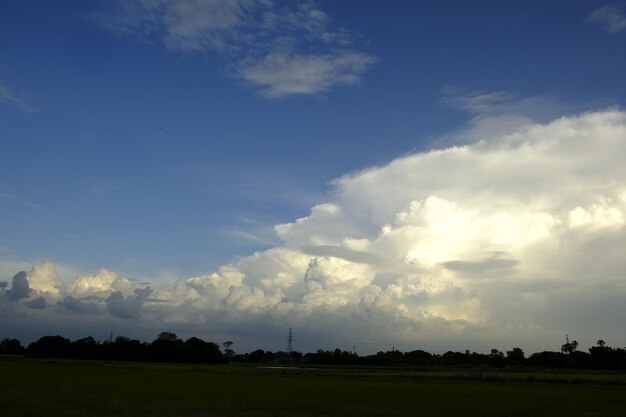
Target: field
[74, 388]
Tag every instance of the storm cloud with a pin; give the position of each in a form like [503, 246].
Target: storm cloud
[513, 238]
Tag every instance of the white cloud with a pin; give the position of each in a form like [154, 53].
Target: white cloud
[17, 200]
[609, 17]
[15, 99]
[41, 282]
[512, 239]
[45, 280]
[281, 74]
[99, 285]
[199, 25]
[282, 48]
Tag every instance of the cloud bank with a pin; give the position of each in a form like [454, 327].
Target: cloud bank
[283, 49]
[510, 240]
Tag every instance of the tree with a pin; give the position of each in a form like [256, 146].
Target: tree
[569, 347]
[11, 347]
[602, 356]
[257, 356]
[227, 350]
[50, 347]
[418, 356]
[85, 348]
[167, 347]
[495, 353]
[496, 357]
[515, 356]
[197, 350]
[169, 336]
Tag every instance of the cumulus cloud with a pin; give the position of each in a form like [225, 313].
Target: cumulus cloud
[127, 307]
[99, 285]
[609, 17]
[19, 287]
[45, 280]
[74, 305]
[42, 283]
[282, 48]
[515, 238]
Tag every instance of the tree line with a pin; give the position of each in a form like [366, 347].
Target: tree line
[167, 347]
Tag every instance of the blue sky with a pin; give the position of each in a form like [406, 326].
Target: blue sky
[162, 140]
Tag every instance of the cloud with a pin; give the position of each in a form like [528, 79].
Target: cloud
[75, 305]
[281, 74]
[127, 307]
[99, 285]
[478, 102]
[343, 253]
[14, 99]
[282, 48]
[38, 303]
[19, 287]
[609, 17]
[512, 239]
[492, 263]
[17, 200]
[496, 114]
[42, 281]
[45, 281]
[184, 25]
[99, 191]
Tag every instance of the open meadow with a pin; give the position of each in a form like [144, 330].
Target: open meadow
[75, 388]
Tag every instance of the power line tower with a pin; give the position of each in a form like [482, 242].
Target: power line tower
[290, 341]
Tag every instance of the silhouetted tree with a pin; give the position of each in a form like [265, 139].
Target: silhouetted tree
[496, 357]
[417, 357]
[197, 350]
[167, 347]
[11, 347]
[569, 347]
[515, 356]
[85, 348]
[258, 356]
[602, 356]
[227, 350]
[124, 348]
[50, 347]
[167, 336]
[547, 359]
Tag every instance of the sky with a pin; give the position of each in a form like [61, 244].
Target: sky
[437, 175]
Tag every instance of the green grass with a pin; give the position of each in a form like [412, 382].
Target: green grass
[73, 388]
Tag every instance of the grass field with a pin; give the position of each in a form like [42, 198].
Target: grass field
[74, 388]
